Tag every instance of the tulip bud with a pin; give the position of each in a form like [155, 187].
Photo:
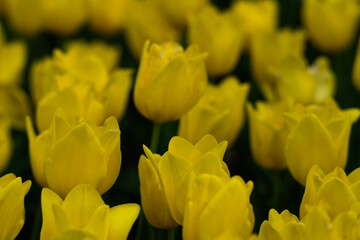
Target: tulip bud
[165, 180]
[211, 200]
[268, 133]
[220, 35]
[331, 24]
[219, 112]
[323, 133]
[12, 217]
[169, 81]
[84, 215]
[66, 155]
[256, 17]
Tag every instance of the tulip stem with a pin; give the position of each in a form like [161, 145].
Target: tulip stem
[276, 188]
[35, 234]
[171, 234]
[155, 137]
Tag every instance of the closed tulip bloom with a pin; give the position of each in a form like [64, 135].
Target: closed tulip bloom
[218, 208]
[219, 112]
[12, 217]
[306, 84]
[256, 17]
[323, 133]
[331, 24]
[169, 81]
[268, 133]
[220, 35]
[66, 155]
[165, 180]
[107, 17]
[138, 30]
[269, 51]
[6, 143]
[84, 215]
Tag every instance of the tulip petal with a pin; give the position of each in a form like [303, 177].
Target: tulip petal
[76, 158]
[268, 232]
[81, 203]
[208, 143]
[122, 218]
[99, 222]
[76, 235]
[179, 146]
[309, 143]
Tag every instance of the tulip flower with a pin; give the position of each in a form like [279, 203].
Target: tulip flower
[257, 17]
[323, 133]
[220, 35]
[165, 180]
[12, 217]
[84, 215]
[6, 143]
[177, 11]
[66, 155]
[305, 84]
[268, 133]
[218, 208]
[270, 51]
[169, 81]
[107, 17]
[356, 69]
[138, 30]
[331, 24]
[219, 112]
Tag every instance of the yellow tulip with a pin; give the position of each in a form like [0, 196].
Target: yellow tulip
[169, 81]
[356, 69]
[335, 192]
[14, 106]
[331, 24]
[84, 215]
[25, 17]
[66, 155]
[268, 133]
[305, 84]
[165, 180]
[107, 17]
[220, 35]
[63, 17]
[138, 30]
[269, 51]
[319, 134]
[177, 11]
[218, 208]
[256, 17]
[12, 217]
[12, 60]
[219, 112]
[6, 143]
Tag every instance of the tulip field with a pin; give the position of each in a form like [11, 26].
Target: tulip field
[179, 119]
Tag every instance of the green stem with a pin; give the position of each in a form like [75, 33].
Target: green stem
[171, 234]
[154, 143]
[276, 182]
[35, 234]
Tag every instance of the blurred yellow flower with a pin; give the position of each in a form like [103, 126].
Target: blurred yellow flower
[12, 217]
[65, 155]
[138, 29]
[107, 17]
[84, 215]
[218, 208]
[305, 84]
[165, 180]
[220, 35]
[6, 143]
[319, 134]
[356, 69]
[177, 11]
[169, 81]
[331, 24]
[269, 51]
[256, 17]
[268, 133]
[219, 112]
